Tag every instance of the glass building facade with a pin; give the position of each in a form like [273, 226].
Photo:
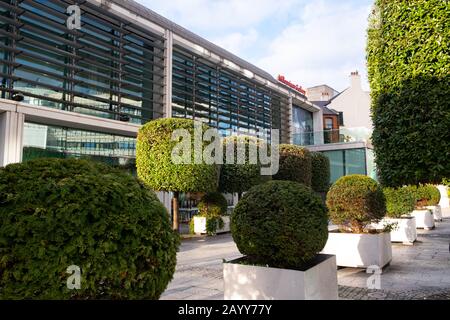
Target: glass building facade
[221, 98]
[109, 68]
[303, 126]
[346, 162]
[59, 142]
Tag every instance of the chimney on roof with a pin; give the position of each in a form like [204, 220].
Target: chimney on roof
[355, 80]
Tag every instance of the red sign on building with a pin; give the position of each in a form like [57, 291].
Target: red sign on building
[291, 85]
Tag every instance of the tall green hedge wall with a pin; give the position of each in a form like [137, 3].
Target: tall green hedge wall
[409, 67]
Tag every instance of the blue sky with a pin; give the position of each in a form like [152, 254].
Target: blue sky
[311, 42]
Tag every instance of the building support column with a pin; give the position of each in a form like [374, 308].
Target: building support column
[290, 128]
[168, 71]
[318, 127]
[11, 137]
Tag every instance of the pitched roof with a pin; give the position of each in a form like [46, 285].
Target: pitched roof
[323, 106]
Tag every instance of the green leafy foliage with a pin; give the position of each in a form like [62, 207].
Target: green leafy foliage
[425, 195]
[240, 177]
[154, 159]
[355, 201]
[409, 68]
[295, 164]
[213, 206]
[56, 213]
[320, 181]
[280, 223]
[399, 201]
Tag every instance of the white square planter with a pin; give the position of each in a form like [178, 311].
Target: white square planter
[359, 250]
[318, 281]
[444, 203]
[404, 232]
[437, 213]
[424, 219]
[200, 225]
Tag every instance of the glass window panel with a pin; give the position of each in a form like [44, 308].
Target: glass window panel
[336, 164]
[355, 161]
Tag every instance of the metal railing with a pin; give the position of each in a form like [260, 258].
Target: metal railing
[343, 135]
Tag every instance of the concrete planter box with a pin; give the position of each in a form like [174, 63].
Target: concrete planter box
[424, 219]
[405, 231]
[200, 225]
[444, 203]
[437, 213]
[316, 281]
[359, 250]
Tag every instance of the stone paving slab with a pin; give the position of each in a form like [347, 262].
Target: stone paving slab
[421, 271]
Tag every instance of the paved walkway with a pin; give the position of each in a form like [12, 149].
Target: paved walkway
[421, 271]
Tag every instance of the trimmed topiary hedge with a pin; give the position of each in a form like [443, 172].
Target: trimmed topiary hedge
[426, 195]
[213, 203]
[154, 159]
[280, 224]
[213, 206]
[399, 201]
[355, 201]
[238, 178]
[409, 73]
[320, 180]
[295, 164]
[156, 166]
[57, 213]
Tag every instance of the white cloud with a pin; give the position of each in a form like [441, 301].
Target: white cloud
[237, 42]
[317, 42]
[323, 45]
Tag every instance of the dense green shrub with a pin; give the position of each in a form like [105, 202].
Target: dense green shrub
[295, 164]
[355, 201]
[409, 73]
[280, 223]
[399, 201]
[56, 213]
[213, 203]
[238, 178]
[213, 206]
[426, 195]
[154, 160]
[320, 180]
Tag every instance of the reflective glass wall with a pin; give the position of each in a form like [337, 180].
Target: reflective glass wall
[222, 98]
[42, 141]
[303, 126]
[109, 68]
[347, 162]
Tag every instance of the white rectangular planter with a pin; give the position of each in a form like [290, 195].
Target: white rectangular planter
[200, 225]
[444, 203]
[404, 232]
[359, 250]
[424, 219]
[437, 213]
[317, 282]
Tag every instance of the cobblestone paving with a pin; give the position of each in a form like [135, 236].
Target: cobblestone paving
[417, 272]
[356, 293]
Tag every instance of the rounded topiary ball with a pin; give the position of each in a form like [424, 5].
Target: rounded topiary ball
[213, 203]
[295, 164]
[399, 201]
[426, 195]
[280, 223]
[355, 201]
[59, 213]
[213, 206]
